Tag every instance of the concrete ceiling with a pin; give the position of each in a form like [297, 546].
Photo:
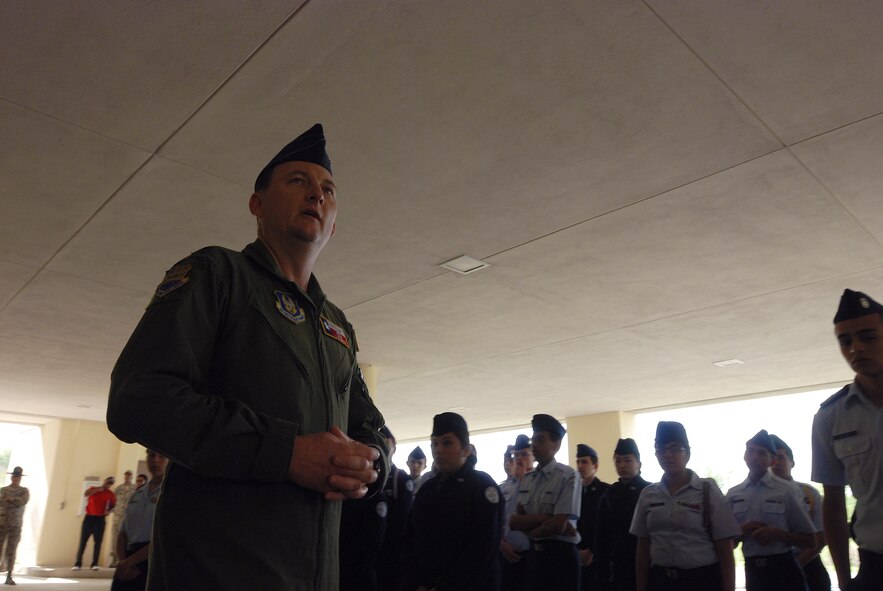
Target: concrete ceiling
[657, 185]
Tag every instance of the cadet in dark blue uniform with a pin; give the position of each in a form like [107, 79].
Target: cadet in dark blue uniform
[592, 491]
[453, 532]
[398, 493]
[614, 545]
[362, 529]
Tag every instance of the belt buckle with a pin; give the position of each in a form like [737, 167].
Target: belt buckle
[761, 562]
[538, 547]
[671, 573]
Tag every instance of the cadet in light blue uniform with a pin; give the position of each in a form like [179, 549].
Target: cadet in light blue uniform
[685, 528]
[773, 518]
[515, 544]
[548, 507]
[847, 444]
[133, 543]
[817, 578]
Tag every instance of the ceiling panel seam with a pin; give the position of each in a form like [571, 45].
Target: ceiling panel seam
[230, 76]
[714, 73]
[833, 195]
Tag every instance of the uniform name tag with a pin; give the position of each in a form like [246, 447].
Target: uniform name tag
[845, 435]
[335, 332]
[288, 307]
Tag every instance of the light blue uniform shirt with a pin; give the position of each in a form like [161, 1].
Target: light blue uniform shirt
[518, 539]
[775, 502]
[674, 524]
[554, 489]
[847, 448]
[138, 522]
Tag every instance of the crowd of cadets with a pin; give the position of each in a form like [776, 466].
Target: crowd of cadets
[548, 526]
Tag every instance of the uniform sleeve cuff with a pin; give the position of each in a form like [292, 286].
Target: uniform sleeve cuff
[274, 454]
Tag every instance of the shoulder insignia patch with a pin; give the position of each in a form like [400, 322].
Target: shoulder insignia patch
[381, 509]
[289, 308]
[409, 485]
[491, 494]
[175, 277]
[335, 332]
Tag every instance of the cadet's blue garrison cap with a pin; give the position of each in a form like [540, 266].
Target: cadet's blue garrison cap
[777, 441]
[521, 442]
[547, 423]
[417, 454]
[307, 147]
[583, 450]
[447, 422]
[854, 304]
[762, 439]
[670, 431]
[627, 446]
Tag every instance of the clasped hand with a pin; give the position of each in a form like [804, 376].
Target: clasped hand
[330, 462]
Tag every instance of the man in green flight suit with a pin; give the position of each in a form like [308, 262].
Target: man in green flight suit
[245, 376]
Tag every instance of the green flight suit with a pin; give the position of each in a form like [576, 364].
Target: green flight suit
[230, 362]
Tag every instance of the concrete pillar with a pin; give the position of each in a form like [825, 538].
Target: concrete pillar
[369, 372]
[600, 431]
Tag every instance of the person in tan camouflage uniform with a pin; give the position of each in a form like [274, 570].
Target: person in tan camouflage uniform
[13, 499]
[123, 492]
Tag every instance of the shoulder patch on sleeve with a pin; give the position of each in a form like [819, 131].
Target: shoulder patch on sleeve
[175, 277]
[409, 485]
[491, 494]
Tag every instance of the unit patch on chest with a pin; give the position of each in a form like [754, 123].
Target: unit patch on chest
[175, 278]
[288, 307]
[335, 332]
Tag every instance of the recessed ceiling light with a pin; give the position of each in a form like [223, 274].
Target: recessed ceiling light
[464, 265]
[729, 362]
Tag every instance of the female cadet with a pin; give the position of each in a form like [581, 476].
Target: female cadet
[685, 528]
[453, 533]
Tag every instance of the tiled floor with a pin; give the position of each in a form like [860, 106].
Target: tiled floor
[59, 584]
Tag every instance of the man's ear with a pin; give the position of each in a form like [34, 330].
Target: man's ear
[255, 204]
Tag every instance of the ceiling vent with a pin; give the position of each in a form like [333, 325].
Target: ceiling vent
[729, 363]
[464, 265]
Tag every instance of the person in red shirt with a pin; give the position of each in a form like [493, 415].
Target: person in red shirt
[100, 504]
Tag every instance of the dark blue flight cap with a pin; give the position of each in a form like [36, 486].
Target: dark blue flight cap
[855, 304]
[521, 442]
[307, 147]
[448, 422]
[670, 432]
[777, 441]
[417, 454]
[762, 439]
[627, 446]
[583, 450]
[547, 423]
